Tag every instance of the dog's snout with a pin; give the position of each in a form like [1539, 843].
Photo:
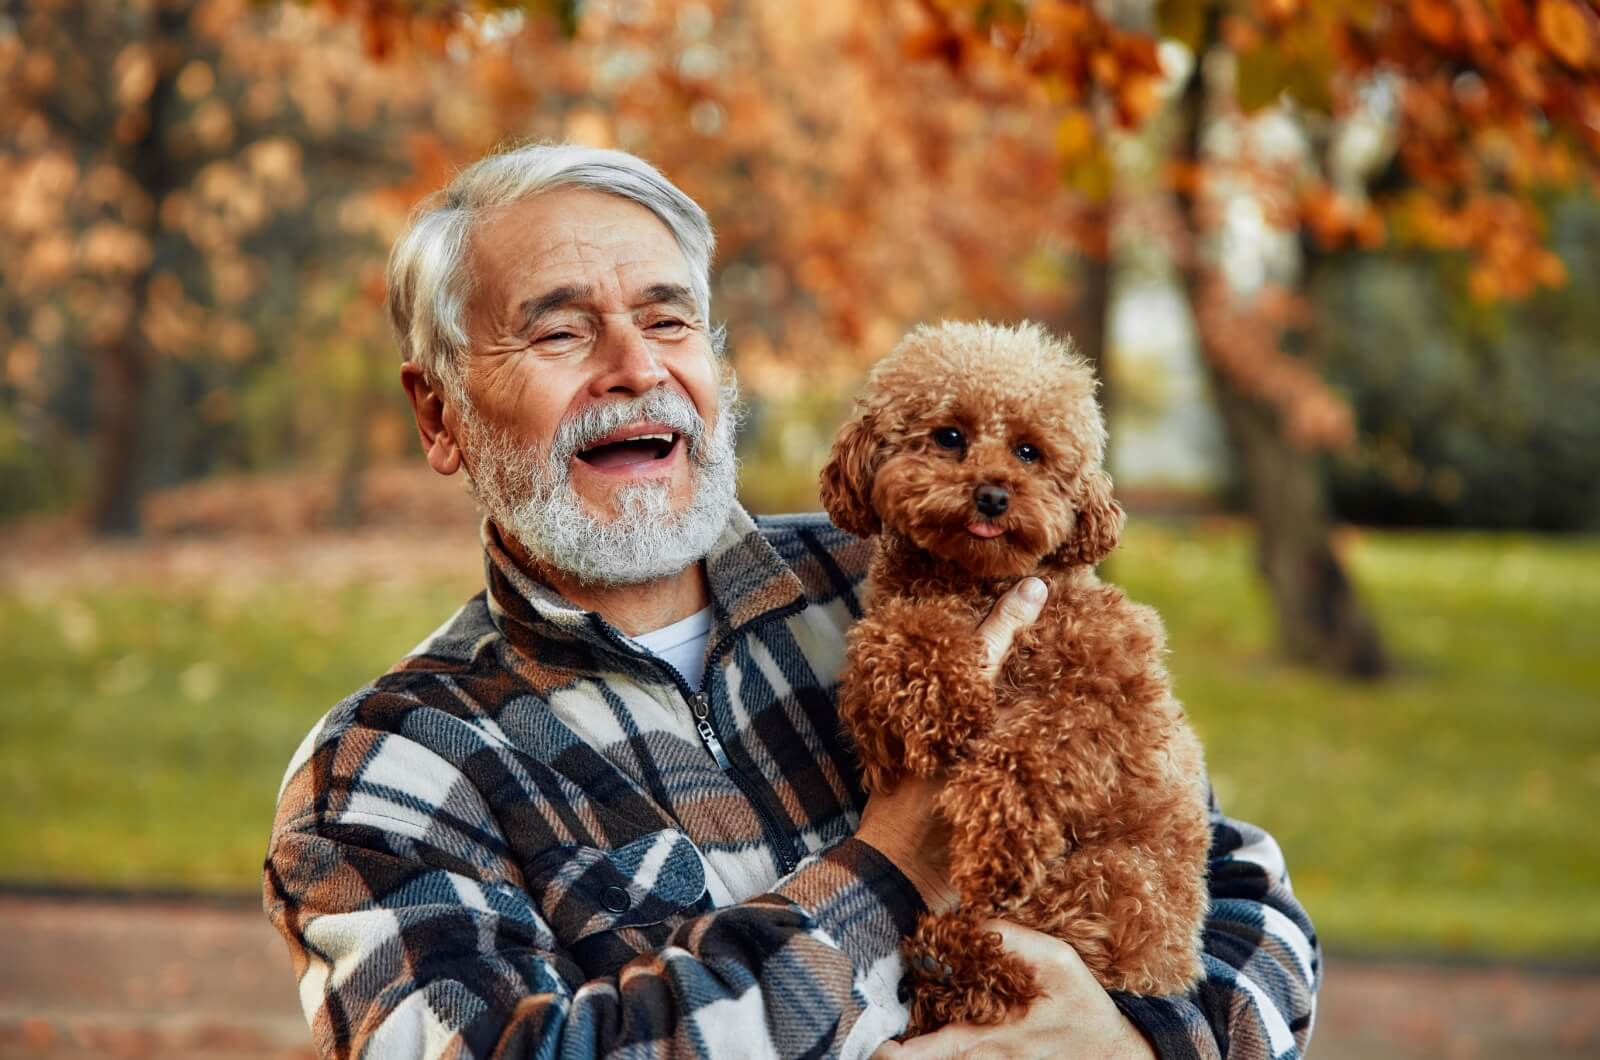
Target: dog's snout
[991, 500]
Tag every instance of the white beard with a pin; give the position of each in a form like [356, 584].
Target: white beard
[529, 495]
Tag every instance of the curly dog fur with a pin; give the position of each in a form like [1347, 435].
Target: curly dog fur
[1074, 787]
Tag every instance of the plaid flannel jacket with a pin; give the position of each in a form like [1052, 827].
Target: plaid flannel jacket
[531, 838]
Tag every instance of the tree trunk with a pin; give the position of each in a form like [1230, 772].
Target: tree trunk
[1321, 621]
[1087, 318]
[121, 377]
[348, 501]
[1090, 319]
[123, 361]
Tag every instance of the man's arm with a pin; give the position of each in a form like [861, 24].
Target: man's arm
[414, 934]
[1263, 963]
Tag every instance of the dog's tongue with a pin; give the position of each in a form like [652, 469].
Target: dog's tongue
[984, 530]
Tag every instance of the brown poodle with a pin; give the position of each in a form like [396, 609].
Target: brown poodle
[1075, 789]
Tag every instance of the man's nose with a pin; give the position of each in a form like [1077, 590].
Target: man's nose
[628, 362]
[991, 500]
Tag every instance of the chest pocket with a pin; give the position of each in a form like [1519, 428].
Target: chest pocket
[608, 906]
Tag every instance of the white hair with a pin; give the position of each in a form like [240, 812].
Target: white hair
[429, 282]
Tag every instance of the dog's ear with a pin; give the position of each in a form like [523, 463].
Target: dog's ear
[1099, 524]
[846, 480]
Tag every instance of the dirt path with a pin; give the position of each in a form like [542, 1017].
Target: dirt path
[123, 979]
[92, 978]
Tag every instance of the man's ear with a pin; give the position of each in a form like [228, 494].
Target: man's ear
[1099, 523]
[439, 442]
[846, 480]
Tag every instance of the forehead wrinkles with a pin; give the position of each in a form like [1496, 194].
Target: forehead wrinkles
[521, 245]
[610, 246]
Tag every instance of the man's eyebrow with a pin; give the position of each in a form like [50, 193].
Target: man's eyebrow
[667, 294]
[534, 308]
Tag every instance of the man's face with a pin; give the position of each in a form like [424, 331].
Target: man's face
[595, 433]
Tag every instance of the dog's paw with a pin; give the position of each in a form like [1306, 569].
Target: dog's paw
[961, 973]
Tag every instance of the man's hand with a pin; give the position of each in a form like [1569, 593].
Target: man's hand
[1074, 1018]
[902, 824]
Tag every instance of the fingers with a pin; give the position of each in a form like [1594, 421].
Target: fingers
[1056, 963]
[949, 1043]
[1035, 947]
[1016, 610]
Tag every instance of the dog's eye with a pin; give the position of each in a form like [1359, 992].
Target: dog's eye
[1027, 453]
[948, 438]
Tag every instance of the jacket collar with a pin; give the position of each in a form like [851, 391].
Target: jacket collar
[748, 581]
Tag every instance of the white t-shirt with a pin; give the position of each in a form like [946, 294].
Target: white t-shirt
[683, 644]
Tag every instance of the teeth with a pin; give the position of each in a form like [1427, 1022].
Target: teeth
[668, 437]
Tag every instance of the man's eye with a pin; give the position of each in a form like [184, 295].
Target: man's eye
[1027, 453]
[558, 336]
[667, 324]
[948, 438]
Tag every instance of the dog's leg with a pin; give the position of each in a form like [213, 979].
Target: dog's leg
[1006, 830]
[914, 689]
[1134, 906]
[961, 973]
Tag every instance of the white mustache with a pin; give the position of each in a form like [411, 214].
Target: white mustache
[666, 407]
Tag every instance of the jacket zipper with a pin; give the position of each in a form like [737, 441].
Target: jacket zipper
[700, 706]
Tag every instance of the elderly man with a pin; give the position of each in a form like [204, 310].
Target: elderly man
[606, 808]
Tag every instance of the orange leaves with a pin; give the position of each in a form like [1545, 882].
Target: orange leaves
[134, 74]
[1067, 45]
[1075, 135]
[1242, 341]
[1277, 11]
[1290, 49]
[1337, 222]
[35, 71]
[110, 248]
[933, 43]
[38, 192]
[1476, 29]
[1182, 21]
[1567, 31]
[196, 80]
[389, 27]
[1437, 21]
[1085, 167]
[431, 164]
[853, 191]
[46, 262]
[1502, 236]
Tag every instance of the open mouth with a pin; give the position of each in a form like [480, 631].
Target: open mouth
[984, 530]
[632, 451]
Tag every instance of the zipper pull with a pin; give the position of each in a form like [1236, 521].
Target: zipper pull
[700, 704]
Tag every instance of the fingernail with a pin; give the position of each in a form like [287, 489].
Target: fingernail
[1032, 590]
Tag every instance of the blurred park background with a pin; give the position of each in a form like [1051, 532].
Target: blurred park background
[1336, 262]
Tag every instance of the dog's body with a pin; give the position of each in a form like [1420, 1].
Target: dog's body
[1074, 787]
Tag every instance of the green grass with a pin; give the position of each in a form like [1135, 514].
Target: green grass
[1448, 807]
[144, 730]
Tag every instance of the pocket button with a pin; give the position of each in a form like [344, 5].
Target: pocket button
[615, 899]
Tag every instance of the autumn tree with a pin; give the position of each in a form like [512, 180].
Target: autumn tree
[1432, 123]
[177, 173]
[830, 161]
[851, 193]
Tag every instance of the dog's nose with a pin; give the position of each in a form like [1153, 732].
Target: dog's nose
[991, 500]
